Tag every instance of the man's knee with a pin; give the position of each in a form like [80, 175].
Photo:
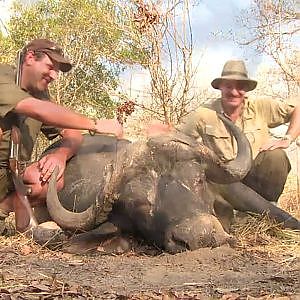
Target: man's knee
[269, 173]
[273, 160]
[272, 163]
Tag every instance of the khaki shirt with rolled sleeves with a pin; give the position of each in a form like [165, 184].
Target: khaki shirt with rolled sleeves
[10, 95]
[258, 116]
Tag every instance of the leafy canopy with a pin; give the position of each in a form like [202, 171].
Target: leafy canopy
[96, 35]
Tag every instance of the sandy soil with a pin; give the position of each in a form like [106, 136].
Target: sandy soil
[224, 272]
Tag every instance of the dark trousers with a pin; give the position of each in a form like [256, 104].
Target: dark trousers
[268, 174]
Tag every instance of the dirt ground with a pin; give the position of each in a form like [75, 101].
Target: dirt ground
[29, 272]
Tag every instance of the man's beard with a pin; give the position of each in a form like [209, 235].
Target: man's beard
[38, 93]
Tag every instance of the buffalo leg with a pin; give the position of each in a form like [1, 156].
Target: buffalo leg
[106, 235]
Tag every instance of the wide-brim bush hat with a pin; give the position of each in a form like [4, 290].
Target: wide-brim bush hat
[235, 70]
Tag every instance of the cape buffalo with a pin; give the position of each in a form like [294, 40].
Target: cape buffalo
[158, 189]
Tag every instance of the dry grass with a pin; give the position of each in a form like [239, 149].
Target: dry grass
[258, 233]
[290, 198]
[22, 245]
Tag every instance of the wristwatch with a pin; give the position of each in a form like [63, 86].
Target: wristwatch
[93, 131]
[287, 137]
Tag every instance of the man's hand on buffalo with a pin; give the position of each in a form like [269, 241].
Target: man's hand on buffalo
[276, 144]
[108, 126]
[48, 163]
[156, 128]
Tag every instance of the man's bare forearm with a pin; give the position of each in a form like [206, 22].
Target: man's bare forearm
[71, 141]
[52, 114]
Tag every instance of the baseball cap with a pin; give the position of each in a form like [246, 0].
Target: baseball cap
[53, 50]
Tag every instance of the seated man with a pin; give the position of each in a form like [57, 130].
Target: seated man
[25, 105]
[254, 117]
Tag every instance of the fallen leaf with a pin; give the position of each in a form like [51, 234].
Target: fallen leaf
[226, 290]
[25, 250]
[232, 296]
[76, 263]
[39, 286]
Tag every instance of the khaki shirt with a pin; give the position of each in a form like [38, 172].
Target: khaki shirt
[10, 95]
[257, 118]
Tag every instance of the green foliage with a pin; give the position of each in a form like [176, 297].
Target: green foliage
[96, 34]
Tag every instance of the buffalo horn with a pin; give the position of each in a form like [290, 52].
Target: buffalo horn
[66, 219]
[243, 198]
[233, 170]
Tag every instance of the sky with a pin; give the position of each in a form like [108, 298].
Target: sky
[217, 16]
[4, 11]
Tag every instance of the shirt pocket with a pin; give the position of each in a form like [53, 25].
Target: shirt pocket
[256, 135]
[220, 141]
[216, 132]
[253, 134]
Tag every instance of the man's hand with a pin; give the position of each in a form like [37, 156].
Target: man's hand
[156, 128]
[109, 126]
[48, 163]
[275, 144]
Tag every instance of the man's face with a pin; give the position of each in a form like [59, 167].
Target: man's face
[41, 71]
[233, 93]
